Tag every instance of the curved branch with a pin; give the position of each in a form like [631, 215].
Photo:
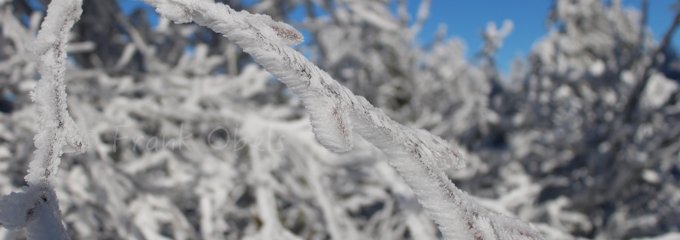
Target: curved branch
[336, 112]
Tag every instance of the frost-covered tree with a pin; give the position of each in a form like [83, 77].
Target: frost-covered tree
[594, 106]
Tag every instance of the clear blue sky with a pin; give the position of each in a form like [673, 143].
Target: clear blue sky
[466, 19]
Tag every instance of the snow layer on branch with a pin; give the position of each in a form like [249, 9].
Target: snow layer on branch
[13, 210]
[36, 209]
[335, 111]
[45, 217]
[181, 11]
[57, 128]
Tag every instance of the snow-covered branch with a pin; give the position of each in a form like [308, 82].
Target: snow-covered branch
[57, 128]
[336, 113]
[37, 208]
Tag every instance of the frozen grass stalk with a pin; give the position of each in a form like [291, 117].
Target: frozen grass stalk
[336, 113]
[37, 208]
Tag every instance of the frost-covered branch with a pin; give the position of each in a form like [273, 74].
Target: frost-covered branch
[37, 208]
[57, 128]
[336, 112]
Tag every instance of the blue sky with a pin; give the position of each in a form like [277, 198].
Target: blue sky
[466, 19]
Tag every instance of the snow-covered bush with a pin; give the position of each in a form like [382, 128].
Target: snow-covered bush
[190, 139]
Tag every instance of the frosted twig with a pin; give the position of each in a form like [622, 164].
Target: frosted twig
[335, 112]
[37, 208]
[56, 127]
